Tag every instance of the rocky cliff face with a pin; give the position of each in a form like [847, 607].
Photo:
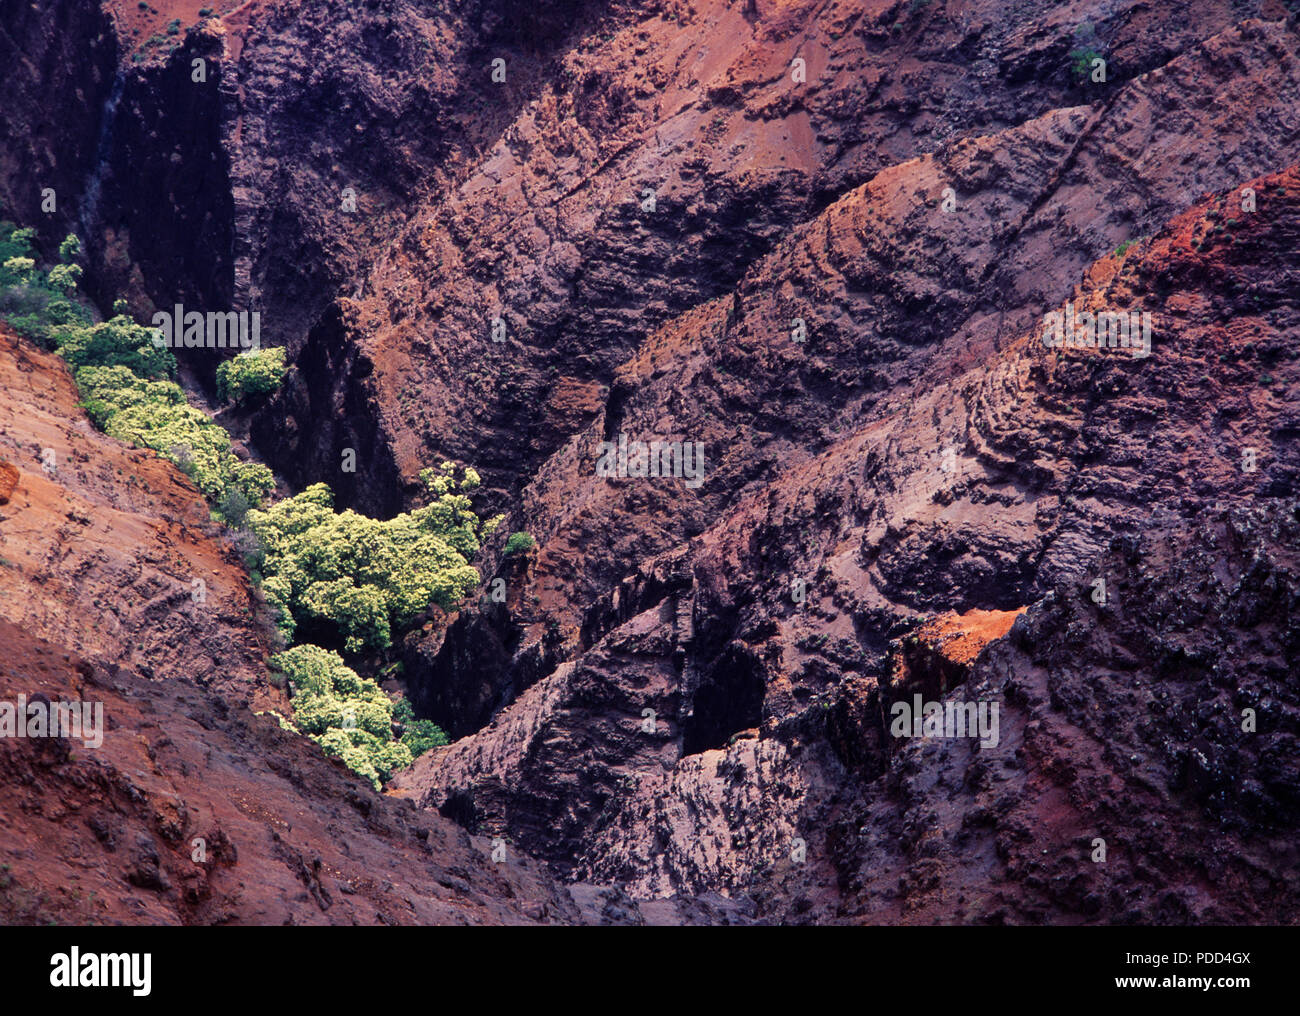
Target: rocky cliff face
[60, 64]
[671, 147]
[769, 705]
[817, 241]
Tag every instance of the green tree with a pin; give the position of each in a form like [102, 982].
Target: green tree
[69, 249]
[252, 373]
[117, 342]
[19, 269]
[367, 576]
[349, 716]
[35, 303]
[154, 414]
[63, 278]
[519, 542]
[418, 735]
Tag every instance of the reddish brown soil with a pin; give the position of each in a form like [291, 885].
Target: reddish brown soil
[9, 477]
[960, 638]
[112, 834]
[136, 25]
[102, 552]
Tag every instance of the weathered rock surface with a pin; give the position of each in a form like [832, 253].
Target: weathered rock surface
[546, 229]
[768, 710]
[685, 695]
[109, 551]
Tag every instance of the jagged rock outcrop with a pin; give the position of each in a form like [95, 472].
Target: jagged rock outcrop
[548, 241]
[1055, 456]
[893, 291]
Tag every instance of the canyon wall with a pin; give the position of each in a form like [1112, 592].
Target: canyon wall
[819, 239]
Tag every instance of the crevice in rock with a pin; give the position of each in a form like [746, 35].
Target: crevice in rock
[727, 700]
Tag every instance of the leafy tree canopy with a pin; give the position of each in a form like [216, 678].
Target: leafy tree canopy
[365, 575]
[349, 716]
[252, 373]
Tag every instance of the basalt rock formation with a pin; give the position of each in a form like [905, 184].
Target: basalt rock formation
[818, 239]
[1051, 457]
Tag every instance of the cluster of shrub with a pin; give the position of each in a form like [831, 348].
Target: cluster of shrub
[358, 577]
[350, 717]
[125, 379]
[362, 579]
[364, 576]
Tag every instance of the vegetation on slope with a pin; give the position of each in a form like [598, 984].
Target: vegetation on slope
[358, 576]
[367, 576]
[252, 373]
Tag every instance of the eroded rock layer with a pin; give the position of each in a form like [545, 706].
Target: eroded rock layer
[818, 241]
